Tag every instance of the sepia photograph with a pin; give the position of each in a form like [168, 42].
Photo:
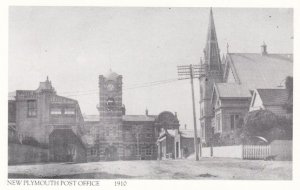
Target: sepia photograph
[152, 93]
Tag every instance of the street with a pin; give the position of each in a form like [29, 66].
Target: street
[206, 168]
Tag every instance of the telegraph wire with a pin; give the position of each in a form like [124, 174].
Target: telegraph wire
[132, 86]
[143, 85]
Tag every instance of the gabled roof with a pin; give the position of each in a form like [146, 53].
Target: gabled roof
[91, 118]
[271, 97]
[62, 99]
[138, 118]
[261, 71]
[12, 95]
[187, 133]
[94, 118]
[231, 90]
[171, 132]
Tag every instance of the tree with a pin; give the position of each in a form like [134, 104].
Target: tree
[266, 124]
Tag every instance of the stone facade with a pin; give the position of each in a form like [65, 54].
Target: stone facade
[113, 135]
[211, 73]
[42, 113]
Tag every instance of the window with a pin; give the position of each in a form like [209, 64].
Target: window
[107, 132]
[70, 111]
[32, 108]
[93, 151]
[234, 119]
[149, 151]
[134, 150]
[55, 111]
[203, 131]
[149, 135]
[218, 122]
[115, 131]
[232, 122]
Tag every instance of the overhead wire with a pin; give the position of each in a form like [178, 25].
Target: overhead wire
[136, 86]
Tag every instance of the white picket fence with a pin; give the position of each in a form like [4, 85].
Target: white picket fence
[256, 152]
[281, 150]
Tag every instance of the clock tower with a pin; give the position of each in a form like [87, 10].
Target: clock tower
[110, 110]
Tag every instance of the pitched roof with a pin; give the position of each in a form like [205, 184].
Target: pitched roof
[273, 96]
[62, 99]
[171, 132]
[91, 118]
[261, 71]
[12, 95]
[232, 90]
[187, 133]
[138, 118]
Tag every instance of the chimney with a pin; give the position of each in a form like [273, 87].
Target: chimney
[123, 110]
[264, 49]
[146, 112]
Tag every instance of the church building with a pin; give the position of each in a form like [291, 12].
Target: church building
[227, 85]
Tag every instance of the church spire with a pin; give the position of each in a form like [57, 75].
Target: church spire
[211, 51]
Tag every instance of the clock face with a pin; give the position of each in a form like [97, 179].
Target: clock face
[110, 87]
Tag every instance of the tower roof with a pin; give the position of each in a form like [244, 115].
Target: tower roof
[211, 51]
[45, 86]
[111, 75]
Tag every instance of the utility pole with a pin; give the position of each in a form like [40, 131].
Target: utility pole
[138, 144]
[191, 72]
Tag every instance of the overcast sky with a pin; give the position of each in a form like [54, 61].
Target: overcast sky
[73, 45]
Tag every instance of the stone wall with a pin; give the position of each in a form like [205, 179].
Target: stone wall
[20, 154]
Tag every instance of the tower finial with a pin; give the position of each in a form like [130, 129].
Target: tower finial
[264, 49]
[146, 111]
[212, 51]
[227, 47]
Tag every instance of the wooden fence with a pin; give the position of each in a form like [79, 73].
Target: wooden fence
[279, 150]
[256, 152]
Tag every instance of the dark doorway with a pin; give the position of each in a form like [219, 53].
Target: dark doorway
[111, 153]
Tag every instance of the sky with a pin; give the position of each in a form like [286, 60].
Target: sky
[74, 45]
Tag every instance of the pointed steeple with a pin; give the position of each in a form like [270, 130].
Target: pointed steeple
[211, 51]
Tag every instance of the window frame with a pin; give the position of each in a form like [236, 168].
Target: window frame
[33, 109]
[53, 112]
[66, 112]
